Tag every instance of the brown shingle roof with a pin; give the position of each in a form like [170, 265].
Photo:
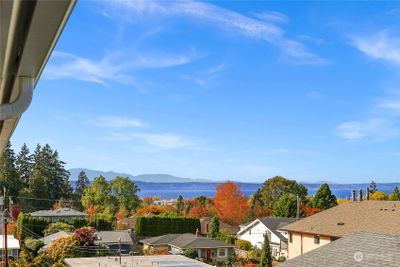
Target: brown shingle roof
[350, 217]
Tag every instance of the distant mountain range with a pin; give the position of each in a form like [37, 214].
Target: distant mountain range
[148, 178]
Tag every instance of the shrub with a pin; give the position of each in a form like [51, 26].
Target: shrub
[243, 244]
[85, 235]
[58, 226]
[79, 222]
[32, 244]
[281, 258]
[226, 238]
[190, 253]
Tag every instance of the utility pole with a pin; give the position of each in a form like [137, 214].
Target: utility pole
[119, 249]
[5, 247]
[297, 207]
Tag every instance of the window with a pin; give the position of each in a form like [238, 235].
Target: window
[316, 239]
[290, 237]
[222, 252]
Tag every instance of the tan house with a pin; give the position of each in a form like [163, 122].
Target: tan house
[345, 219]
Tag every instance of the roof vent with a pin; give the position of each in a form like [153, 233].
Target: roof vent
[340, 223]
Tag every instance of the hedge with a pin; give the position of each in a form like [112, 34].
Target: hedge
[27, 225]
[154, 226]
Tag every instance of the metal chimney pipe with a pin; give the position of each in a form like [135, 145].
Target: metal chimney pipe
[367, 194]
[360, 196]
[353, 195]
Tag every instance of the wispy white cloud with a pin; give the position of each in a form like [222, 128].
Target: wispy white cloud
[161, 140]
[273, 16]
[111, 68]
[379, 46]
[378, 129]
[392, 105]
[218, 16]
[117, 122]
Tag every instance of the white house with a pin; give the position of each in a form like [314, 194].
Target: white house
[12, 245]
[254, 233]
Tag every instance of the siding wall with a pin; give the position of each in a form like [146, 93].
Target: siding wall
[303, 243]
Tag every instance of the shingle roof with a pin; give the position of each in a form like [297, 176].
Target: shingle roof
[351, 217]
[57, 213]
[184, 241]
[361, 249]
[160, 240]
[112, 237]
[48, 239]
[273, 224]
[190, 240]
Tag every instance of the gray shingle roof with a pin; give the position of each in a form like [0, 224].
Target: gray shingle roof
[351, 217]
[184, 241]
[275, 223]
[160, 240]
[190, 240]
[57, 213]
[112, 237]
[361, 249]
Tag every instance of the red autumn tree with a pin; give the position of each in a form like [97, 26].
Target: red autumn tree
[308, 211]
[230, 203]
[85, 235]
[199, 212]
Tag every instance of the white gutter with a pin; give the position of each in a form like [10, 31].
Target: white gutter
[15, 109]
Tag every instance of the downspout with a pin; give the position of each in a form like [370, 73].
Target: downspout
[15, 109]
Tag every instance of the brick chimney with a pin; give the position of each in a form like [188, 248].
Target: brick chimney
[360, 195]
[367, 194]
[353, 195]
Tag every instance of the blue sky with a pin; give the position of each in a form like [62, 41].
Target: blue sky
[225, 90]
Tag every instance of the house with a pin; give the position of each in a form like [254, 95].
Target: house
[49, 239]
[12, 245]
[114, 240]
[340, 221]
[158, 243]
[225, 228]
[360, 249]
[209, 250]
[66, 214]
[254, 233]
[143, 261]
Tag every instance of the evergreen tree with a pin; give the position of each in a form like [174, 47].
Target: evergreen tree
[214, 228]
[324, 199]
[81, 184]
[286, 206]
[396, 194]
[372, 187]
[8, 174]
[23, 165]
[266, 257]
[180, 205]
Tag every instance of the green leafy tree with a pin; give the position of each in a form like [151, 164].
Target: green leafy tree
[8, 174]
[372, 187]
[58, 226]
[201, 200]
[32, 244]
[395, 196]
[274, 188]
[180, 205]
[286, 206]
[266, 257]
[124, 191]
[324, 199]
[98, 196]
[214, 228]
[23, 165]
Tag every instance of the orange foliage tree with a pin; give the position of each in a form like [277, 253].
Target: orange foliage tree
[154, 209]
[308, 211]
[199, 212]
[230, 203]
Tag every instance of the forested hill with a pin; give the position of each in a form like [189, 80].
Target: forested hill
[149, 178]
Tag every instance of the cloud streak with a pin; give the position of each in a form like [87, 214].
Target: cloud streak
[167, 141]
[223, 18]
[111, 68]
[379, 46]
[117, 122]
